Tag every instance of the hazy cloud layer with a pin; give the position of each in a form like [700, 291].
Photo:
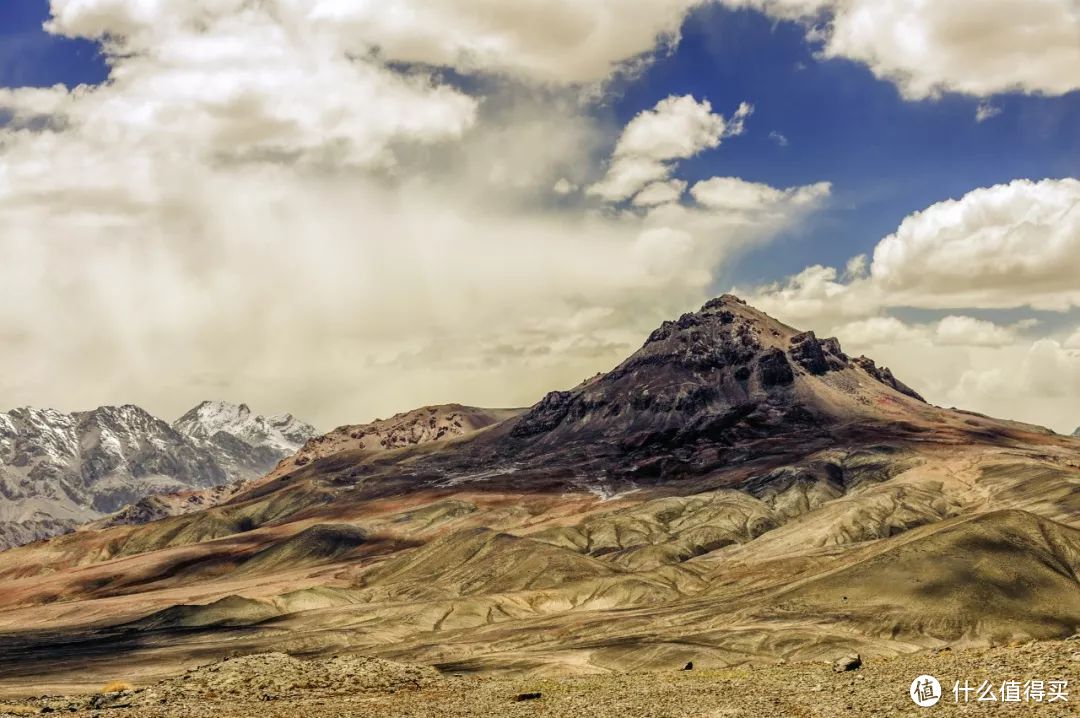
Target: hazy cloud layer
[287, 203]
[256, 207]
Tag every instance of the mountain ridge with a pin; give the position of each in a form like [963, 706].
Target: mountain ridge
[59, 470]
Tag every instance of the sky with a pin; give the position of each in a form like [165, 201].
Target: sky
[349, 209]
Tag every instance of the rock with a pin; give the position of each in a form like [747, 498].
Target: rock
[689, 666]
[885, 376]
[774, 369]
[851, 662]
[527, 696]
[807, 352]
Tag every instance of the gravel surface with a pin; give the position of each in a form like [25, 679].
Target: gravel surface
[273, 685]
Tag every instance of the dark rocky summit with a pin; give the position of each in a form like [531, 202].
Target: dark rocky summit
[701, 387]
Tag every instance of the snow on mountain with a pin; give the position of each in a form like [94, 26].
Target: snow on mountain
[59, 470]
[280, 431]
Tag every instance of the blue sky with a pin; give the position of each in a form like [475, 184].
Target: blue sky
[886, 157]
[31, 57]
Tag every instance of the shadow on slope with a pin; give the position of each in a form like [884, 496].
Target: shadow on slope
[993, 577]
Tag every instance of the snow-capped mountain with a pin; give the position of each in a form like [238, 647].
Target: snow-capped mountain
[1077, 432]
[59, 470]
[281, 431]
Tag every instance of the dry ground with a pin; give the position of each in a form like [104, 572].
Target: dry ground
[879, 688]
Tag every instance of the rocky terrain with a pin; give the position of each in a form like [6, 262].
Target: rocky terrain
[411, 428]
[276, 685]
[60, 470]
[735, 492]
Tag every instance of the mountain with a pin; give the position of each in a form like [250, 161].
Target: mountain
[412, 428]
[1077, 432]
[59, 470]
[735, 491]
[711, 389]
[213, 421]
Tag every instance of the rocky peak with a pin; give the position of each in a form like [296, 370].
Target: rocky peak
[209, 419]
[1077, 432]
[425, 425]
[119, 421]
[726, 359]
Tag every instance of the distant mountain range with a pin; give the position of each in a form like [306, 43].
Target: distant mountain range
[429, 424]
[59, 470]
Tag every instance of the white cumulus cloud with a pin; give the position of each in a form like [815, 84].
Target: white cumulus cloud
[551, 41]
[926, 47]
[738, 195]
[969, 331]
[1007, 245]
[676, 128]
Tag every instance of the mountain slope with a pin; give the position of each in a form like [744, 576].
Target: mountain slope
[426, 425]
[59, 470]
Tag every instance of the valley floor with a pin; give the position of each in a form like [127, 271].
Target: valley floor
[879, 688]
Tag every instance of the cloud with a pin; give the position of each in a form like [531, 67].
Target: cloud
[878, 331]
[564, 186]
[978, 48]
[780, 139]
[548, 41]
[245, 89]
[737, 195]
[660, 193]
[676, 128]
[969, 331]
[984, 111]
[1042, 374]
[949, 331]
[259, 205]
[1008, 245]
[857, 267]
[816, 294]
